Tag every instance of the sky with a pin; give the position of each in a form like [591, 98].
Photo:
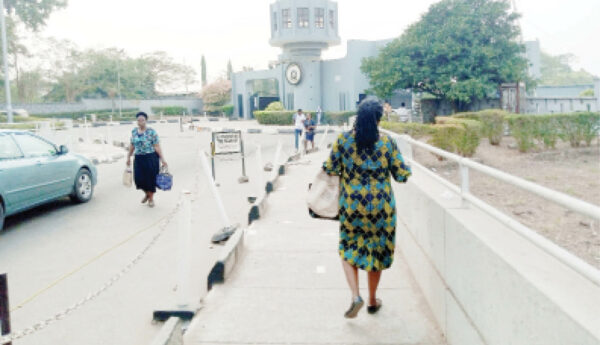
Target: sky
[240, 29]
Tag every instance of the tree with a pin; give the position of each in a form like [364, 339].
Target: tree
[216, 94]
[95, 74]
[203, 63]
[229, 70]
[33, 13]
[460, 50]
[556, 70]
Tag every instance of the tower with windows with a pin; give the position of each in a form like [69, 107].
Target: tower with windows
[302, 29]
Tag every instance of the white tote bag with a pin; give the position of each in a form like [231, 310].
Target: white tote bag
[323, 195]
[127, 177]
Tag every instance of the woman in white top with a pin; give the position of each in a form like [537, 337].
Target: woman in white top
[299, 119]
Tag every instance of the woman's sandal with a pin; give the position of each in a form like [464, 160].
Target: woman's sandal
[144, 199]
[151, 203]
[354, 308]
[372, 309]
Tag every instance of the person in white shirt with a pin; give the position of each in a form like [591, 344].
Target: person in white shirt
[299, 119]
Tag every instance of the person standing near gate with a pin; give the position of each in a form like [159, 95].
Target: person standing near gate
[299, 119]
[310, 127]
[145, 145]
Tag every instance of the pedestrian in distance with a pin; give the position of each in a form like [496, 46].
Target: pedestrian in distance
[364, 160]
[146, 146]
[299, 119]
[310, 127]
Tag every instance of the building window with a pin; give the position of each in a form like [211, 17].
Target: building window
[320, 18]
[303, 17]
[332, 19]
[286, 19]
[275, 21]
[589, 107]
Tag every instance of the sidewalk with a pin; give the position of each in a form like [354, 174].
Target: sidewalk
[289, 287]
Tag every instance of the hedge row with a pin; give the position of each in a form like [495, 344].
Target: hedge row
[285, 117]
[170, 110]
[574, 128]
[450, 134]
[274, 117]
[100, 114]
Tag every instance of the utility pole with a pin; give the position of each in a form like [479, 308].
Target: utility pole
[9, 110]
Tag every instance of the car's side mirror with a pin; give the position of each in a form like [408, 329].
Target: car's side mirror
[63, 150]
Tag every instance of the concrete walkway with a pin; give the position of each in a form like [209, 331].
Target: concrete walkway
[289, 287]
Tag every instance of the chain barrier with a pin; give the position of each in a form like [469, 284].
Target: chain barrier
[91, 296]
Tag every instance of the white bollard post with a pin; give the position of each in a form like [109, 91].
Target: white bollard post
[184, 270]
[260, 177]
[213, 188]
[323, 138]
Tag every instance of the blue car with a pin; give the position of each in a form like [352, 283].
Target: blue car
[34, 171]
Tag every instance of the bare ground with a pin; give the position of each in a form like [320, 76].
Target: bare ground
[573, 171]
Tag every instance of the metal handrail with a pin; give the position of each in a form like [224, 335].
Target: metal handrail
[567, 201]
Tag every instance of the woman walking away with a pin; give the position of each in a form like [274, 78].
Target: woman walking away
[364, 161]
[144, 142]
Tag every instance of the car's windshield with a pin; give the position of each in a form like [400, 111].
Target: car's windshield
[33, 146]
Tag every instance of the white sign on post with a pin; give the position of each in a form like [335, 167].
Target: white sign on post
[228, 142]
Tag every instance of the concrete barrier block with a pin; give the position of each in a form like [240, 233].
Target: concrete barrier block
[229, 256]
[170, 333]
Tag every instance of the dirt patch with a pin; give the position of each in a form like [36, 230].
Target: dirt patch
[573, 171]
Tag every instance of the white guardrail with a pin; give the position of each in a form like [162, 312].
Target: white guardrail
[406, 143]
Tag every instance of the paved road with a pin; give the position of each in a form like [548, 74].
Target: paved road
[60, 253]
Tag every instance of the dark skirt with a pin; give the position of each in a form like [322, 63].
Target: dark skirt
[145, 169]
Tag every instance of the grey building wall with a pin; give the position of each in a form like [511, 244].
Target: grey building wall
[561, 91]
[556, 105]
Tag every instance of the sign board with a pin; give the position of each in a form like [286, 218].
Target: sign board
[227, 142]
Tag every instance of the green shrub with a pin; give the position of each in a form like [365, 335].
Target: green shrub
[492, 121]
[20, 125]
[457, 135]
[274, 117]
[444, 135]
[546, 130]
[415, 130]
[523, 128]
[170, 110]
[336, 117]
[228, 109]
[578, 127]
[275, 106]
[103, 114]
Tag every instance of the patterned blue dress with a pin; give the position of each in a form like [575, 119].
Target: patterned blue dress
[367, 205]
[146, 163]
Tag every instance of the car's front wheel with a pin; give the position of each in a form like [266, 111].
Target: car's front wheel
[83, 188]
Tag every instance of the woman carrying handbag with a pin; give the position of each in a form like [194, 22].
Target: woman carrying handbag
[364, 161]
[145, 145]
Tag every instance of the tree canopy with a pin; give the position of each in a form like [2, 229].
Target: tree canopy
[460, 50]
[216, 94]
[33, 13]
[556, 70]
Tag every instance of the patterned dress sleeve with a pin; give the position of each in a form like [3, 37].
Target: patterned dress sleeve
[333, 164]
[154, 138]
[400, 170]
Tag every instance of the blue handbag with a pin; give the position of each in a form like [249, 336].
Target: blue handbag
[164, 180]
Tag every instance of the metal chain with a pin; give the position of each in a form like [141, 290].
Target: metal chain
[91, 296]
